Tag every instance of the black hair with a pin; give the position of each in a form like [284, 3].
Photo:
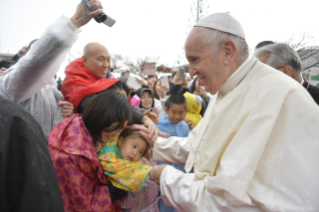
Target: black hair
[264, 43]
[105, 109]
[129, 132]
[177, 99]
[192, 87]
[121, 85]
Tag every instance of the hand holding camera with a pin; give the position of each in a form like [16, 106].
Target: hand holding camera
[77, 18]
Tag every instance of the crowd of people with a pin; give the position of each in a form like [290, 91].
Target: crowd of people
[240, 133]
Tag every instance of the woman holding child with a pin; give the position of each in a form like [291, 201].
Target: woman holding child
[72, 143]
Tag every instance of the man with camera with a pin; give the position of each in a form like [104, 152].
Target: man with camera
[30, 81]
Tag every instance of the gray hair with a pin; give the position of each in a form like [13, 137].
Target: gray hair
[281, 54]
[211, 36]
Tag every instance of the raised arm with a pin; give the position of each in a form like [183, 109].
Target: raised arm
[40, 64]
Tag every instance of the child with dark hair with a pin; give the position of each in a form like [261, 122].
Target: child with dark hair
[120, 160]
[173, 123]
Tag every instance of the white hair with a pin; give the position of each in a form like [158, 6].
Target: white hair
[281, 54]
[215, 37]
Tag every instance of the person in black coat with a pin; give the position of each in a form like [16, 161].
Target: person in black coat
[59, 82]
[28, 180]
[313, 91]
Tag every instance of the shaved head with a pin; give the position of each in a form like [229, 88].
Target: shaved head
[97, 59]
[91, 48]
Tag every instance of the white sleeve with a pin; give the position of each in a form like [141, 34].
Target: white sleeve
[171, 150]
[186, 193]
[40, 64]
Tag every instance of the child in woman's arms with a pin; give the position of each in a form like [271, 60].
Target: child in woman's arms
[119, 158]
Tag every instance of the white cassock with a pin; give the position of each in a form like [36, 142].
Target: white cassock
[256, 149]
[29, 82]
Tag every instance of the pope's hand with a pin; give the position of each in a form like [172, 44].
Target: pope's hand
[152, 129]
[77, 17]
[156, 173]
[147, 134]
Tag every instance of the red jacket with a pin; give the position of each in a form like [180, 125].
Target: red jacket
[80, 82]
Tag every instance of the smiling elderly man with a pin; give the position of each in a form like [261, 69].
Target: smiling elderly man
[251, 151]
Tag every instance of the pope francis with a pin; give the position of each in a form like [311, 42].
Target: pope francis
[257, 147]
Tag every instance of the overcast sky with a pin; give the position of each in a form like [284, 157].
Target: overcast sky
[153, 27]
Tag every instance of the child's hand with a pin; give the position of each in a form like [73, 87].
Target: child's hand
[190, 124]
[152, 116]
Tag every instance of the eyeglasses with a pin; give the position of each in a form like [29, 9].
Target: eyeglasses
[280, 67]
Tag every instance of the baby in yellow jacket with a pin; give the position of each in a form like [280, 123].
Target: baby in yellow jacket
[119, 158]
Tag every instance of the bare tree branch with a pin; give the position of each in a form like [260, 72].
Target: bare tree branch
[116, 60]
[303, 44]
[301, 41]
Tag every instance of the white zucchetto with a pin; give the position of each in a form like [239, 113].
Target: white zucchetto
[223, 22]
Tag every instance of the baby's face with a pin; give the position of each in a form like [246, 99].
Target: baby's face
[132, 148]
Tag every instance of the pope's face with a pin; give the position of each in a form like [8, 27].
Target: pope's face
[98, 61]
[205, 63]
